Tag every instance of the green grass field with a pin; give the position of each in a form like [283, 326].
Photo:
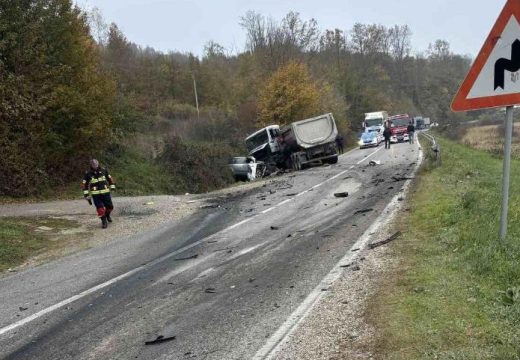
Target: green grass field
[20, 238]
[456, 292]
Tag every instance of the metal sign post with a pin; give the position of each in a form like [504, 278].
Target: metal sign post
[506, 172]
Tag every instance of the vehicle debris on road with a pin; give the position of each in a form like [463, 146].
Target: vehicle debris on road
[159, 339]
[384, 242]
[341, 194]
[364, 211]
[188, 258]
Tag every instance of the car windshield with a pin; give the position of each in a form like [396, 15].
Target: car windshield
[404, 121]
[257, 140]
[373, 122]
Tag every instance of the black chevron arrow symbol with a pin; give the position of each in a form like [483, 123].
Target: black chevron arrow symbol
[503, 64]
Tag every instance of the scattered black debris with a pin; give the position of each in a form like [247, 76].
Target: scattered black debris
[345, 302]
[210, 291]
[401, 178]
[276, 305]
[348, 177]
[376, 182]
[356, 249]
[212, 241]
[160, 339]
[356, 268]
[324, 289]
[251, 280]
[21, 308]
[391, 188]
[364, 211]
[290, 235]
[291, 194]
[341, 194]
[345, 266]
[374, 162]
[400, 198]
[249, 210]
[275, 228]
[381, 243]
[188, 258]
[362, 258]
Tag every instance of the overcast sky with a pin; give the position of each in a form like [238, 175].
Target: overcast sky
[186, 25]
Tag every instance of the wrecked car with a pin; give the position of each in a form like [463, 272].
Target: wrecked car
[246, 168]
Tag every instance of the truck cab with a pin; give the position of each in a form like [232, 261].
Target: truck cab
[375, 121]
[264, 143]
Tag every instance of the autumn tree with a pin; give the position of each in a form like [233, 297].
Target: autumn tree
[56, 102]
[291, 94]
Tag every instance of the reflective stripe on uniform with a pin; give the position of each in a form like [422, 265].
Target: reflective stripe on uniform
[112, 186]
[85, 192]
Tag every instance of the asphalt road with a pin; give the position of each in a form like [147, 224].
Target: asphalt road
[222, 283]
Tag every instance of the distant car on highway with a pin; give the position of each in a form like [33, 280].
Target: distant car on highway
[369, 139]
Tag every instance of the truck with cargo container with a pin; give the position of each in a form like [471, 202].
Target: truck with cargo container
[297, 144]
[418, 122]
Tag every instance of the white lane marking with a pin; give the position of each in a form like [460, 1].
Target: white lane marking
[92, 290]
[369, 156]
[239, 223]
[245, 251]
[276, 341]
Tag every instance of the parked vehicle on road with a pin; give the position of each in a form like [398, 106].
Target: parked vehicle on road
[375, 120]
[399, 128]
[378, 133]
[297, 144]
[369, 139]
[246, 168]
[418, 122]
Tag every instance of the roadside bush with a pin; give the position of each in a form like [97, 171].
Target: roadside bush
[197, 167]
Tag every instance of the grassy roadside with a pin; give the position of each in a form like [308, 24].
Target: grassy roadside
[456, 292]
[23, 238]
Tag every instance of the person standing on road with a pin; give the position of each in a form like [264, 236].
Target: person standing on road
[387, 134]
[339, 143]
[411, 132]
[96, 186]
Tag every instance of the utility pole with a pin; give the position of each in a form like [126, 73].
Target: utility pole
[196, 95]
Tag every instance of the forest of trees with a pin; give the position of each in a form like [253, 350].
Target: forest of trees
[72, 87]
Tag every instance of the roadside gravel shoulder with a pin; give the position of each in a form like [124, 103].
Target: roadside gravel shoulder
[132, 215]
[337, 327]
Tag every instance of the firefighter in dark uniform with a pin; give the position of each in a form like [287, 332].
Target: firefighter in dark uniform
[96, 186]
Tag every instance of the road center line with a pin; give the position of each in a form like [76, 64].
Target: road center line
[92, 290]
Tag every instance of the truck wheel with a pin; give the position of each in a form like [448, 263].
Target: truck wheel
[333, 160]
